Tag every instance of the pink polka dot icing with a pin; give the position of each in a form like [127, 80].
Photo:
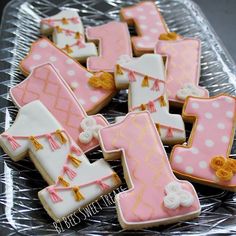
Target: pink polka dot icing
[212, 136]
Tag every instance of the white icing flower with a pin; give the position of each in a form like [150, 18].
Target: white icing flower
[171, 201]
[186, 198]
[90, 130]
[173, 187]
[189, 90]
[88, 123]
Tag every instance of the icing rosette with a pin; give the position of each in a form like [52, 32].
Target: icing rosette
[217, 162]
[176, 196]
[172, 187]
[172, 201]
[186, 198]
[225, 168]
[90, 130]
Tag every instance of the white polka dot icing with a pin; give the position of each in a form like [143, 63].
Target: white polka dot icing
[195, 105]
[189, 169]
[209, 143]
[208, 115]
[37, 57]
[178, 159]
[94, 99]
[71, 72]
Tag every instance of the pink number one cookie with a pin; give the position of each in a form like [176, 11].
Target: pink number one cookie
[182, 68]
[113, 40]
[46, 85]
[68, 34]
[206, 157]
[92, 98]
[74, 182]
[155, 196]
[148, 23]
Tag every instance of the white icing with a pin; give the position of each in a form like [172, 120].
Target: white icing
[171, 201]
[176, 196]
[62, 39]
[173, 187]
[189, 90]
[90, 130]
[34, 119]
[152, 66]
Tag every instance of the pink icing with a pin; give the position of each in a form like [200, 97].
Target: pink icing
[148, 22]
[182, 66]
[44, 51]
[212, 136]
[147, 167]
[46, 85]
[114, 41]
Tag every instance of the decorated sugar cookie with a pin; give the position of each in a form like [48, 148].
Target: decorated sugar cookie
[93, 91]
[74, 182]
[145, 77]
[182, 68]
[67, 32]
[155, 197]
[45, 84]
[205, 158]
[148, 23]
[113, 40]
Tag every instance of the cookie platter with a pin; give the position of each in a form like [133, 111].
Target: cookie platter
[21, 210]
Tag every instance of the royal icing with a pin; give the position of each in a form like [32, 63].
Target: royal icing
[113, 40]
[182, 67]
[68, 34]
[145, 77]
[147, 172]
[45, 84]
[205, 158]
[148, 23]
[92, 99]
[74, 182]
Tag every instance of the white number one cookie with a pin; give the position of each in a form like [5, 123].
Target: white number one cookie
[68, 34]
[46, 85]
[145, 77]
[74, 182]
[206, 157]
[182, 67]
[155, 197]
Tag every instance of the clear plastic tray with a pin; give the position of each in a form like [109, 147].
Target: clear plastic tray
[20, 209]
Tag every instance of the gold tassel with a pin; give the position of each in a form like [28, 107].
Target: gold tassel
[78, 194]
[58, 29]
[116, 178]
[68, 49]
[60, 136]
[35, 143]
[145, 82]
[162, 101]
[76, 162]
[64, 21]
[143, 107]
[63, 182]
[77, 35]
[119, 70]
[169, 36]
[102, 80]
[158, 128]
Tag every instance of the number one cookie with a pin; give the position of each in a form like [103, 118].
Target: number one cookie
[92, 91]
[46, 85]
[182, 68]
[68, 34]
[148, 23]
[74, 182]
[145, 77]
[113, 40]
[155, 196]
[206, 157]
